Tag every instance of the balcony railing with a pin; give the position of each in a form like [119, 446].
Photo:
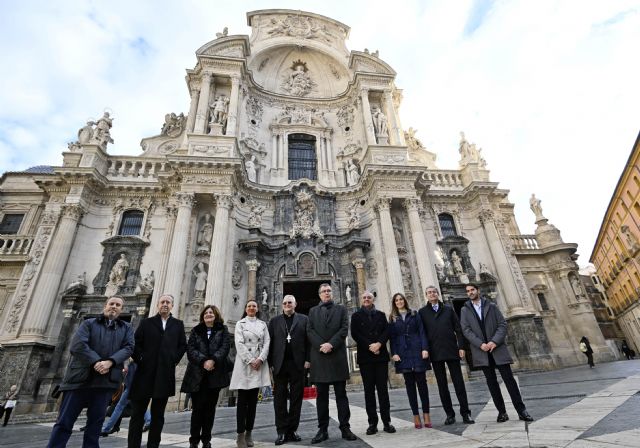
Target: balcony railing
[15, 245]
[444, 178]
[134, 168]
[524, 242]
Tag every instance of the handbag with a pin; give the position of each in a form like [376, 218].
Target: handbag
[583, 347]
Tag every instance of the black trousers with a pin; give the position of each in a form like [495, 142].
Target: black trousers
[246, 409]
[7, 413]
[342, 403]
[374, 378]
[419, 379]
[138, 408]
[203, 414]
[288, 390]
[589, 359]
[509, 382]
[455, 371]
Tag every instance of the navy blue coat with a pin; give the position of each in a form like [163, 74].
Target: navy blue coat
[199, 350]
[94, 342]
[408, 340]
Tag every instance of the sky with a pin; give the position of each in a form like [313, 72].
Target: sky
[548, 89]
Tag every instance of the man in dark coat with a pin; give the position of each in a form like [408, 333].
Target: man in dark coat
[98, 352]
[486, 330]
[288, 358]
[160, 344]
[370, 331]
[447, 349]
[328, 330]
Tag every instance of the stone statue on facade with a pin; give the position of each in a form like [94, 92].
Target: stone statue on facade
[397, 231]
[353, 173]
[85, 133]
[147, 284]
[265, 296]
[304, 224]
[484, 269]
[79, 282]
[204, 235]
[379, 123]
[631, 239]
[219, 110]
[347, 294]
[456, 262]
[407, 281]
[102, 133]
[201, 281]
[440, 271]
[173, 124]
[536, 208]
[298, 82]
[469, 153]
[354, 216]
[117, 276]
[250, 166]
[224, 33]
[255, 214]
[236, 275]
[576, 286]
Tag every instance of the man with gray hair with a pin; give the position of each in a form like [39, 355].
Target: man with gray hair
[160, 345]
[288, 358]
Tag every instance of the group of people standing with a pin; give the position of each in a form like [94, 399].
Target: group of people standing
[419, 340]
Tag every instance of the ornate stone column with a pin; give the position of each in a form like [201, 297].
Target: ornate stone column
[179, 242]
[252, 267]
[390, 249]
[360, 275]
[193, 110]
[423, 259]
[200, 126]
[366, 115]
[166, 252]
[394, 130]
[232, 116]
[46, 290]
[218, 259]
[511, 297]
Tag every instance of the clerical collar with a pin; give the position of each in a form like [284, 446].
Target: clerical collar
[327, 304]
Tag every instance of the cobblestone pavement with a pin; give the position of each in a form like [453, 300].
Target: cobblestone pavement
[575, 407]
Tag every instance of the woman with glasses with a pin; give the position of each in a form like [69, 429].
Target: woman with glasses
[410, 352]
[250, 370]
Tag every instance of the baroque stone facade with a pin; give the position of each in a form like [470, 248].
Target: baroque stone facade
[291, 168]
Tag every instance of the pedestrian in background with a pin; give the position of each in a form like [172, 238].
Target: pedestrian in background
[585, 348]
[8, 403]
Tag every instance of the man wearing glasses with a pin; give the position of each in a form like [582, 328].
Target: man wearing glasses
[288, 358]
[328, 329]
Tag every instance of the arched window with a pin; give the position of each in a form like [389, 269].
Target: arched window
[302, 157]
[131, 223]
[447, 226]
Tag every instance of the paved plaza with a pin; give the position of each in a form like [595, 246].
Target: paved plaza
[575, 407]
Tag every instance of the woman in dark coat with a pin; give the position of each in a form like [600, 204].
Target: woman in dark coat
[585, 348]
[410, 351]
[207, 372]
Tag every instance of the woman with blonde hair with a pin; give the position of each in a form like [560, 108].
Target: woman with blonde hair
[410, 352]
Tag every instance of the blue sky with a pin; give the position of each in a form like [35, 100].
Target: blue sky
[548, 89]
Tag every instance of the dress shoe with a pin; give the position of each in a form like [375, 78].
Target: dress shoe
[281, 439]
[450, 420]
[466, 418]
[193, 445]
[372, 429]
[293, 437]
[348, 435]
[502, 417]
[388, 427]
[206, 444]
[145, 428]
[525, 417]
[321, 436]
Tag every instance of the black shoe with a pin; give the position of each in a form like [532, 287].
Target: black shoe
[281, 439]
[321, 436]
[104, 434]
[466, 418]
[502, 417]
[372, 429]
[388, 427]
[348, 435]
[293, 437]
[82, 428]
[145, 428]
[193, 445]
[450, 420]
[525, 417]
[206, 444]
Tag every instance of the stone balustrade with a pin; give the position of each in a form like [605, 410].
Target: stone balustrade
[524, 242]
[15, 245]
[134, 168]
[443, 178]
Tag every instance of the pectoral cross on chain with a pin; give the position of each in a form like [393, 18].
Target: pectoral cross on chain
[288, 338]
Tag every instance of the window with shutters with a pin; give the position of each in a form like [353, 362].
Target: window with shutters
[302, 157]
[447, 226]
[131, 223]
[10, 224]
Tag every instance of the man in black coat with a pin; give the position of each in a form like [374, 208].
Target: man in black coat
[328, 330]
[447, 348]
[98, 351]
[160, 344]
[370, 331]
[486, 330]
[288, 358]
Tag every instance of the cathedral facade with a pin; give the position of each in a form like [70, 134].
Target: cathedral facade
[290, 169]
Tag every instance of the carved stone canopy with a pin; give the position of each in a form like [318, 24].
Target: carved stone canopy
[133, 248]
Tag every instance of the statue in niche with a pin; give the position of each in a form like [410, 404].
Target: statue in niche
[353, 173]
[407, 281]
[373, 268]
[576, 286]
[379, 122]
[117, 276]
[147, 283]
[205, 235]
[85, 134]
[102, 134]
[304, 223]
[440, 271]
[456, 262]
[536, 208]
[397, 231]
[250, 166]
[219, 110]
[632, 240]
[265, 296]
[298, 82]
[236, 275]
[354, 216]
[201, 281]
[347, 294]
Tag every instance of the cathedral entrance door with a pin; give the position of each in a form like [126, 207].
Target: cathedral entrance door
[306, 294]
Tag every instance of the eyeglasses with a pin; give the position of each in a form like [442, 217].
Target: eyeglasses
[287, 303]
[325, 290]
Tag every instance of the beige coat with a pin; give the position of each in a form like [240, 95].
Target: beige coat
[252, 341]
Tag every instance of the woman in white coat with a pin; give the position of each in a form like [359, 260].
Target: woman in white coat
[250, 370]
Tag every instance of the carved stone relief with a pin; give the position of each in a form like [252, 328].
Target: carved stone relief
[236, 274]
[299, 81]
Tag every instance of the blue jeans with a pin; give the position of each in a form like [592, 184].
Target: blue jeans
[117, 412]
[73, 401]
